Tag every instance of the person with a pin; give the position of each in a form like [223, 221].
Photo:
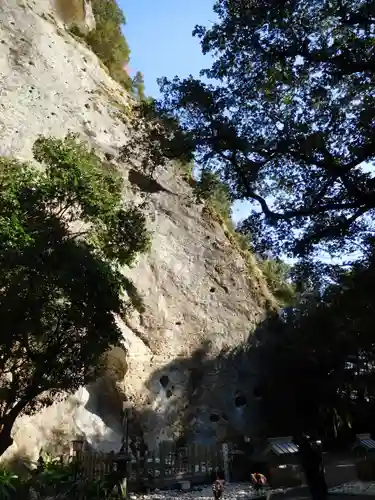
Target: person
[312, 464]
[258, 480]
[218, 488]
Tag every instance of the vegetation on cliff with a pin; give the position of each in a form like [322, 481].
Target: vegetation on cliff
[109, 44]
[277, 273]
[65, 233]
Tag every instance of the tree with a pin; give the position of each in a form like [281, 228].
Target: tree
[286, 116]
[321, 357]
[139, 86]
[64, 237]
[157, 139]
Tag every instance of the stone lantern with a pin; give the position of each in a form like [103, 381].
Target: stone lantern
[77, 445]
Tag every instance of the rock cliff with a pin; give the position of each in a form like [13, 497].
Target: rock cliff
[199, 295]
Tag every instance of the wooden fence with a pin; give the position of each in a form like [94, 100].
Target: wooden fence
[163, 467]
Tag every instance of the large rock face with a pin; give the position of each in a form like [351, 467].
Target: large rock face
[199, 295]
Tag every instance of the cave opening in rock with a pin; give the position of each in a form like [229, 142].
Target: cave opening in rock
[240, 401]
[164, 381]
[212, 289]
[257, 391]
[169, 393]
[214, 417]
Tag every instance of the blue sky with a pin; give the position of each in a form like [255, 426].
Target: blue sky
[161, 44]
[159, 36]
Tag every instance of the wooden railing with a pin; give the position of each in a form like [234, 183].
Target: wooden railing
[160, 468]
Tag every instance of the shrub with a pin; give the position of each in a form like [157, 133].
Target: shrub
[9, 484]
[209, 187]
[108, 42]
[139, 86]
[276, 273]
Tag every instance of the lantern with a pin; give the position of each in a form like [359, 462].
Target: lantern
[78, 443]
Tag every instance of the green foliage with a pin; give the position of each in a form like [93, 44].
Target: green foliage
[8, 485]
[64, 236]
[210, 188]
[139, 86]
[55, 477]
[287, 117]
[188, 168]
[156, 139]
[107, 40]
[320, 359]
[277, 274]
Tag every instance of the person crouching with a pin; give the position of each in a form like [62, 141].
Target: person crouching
[218, 488]
[258, 481]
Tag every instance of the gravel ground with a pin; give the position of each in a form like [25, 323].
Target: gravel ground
[355, 488]
[233, 491]
[244, 491]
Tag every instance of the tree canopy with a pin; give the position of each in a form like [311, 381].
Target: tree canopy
[139, 86]
[319, 360]
[64, 236]
[285, 115]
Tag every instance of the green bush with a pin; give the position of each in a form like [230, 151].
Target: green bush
[276, 273]
[209, 187]
[54, 477]
[59, 478]
[138, 85]
[9, 485]
[107, 40]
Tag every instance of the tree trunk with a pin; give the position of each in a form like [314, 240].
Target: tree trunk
[5, 439]
[313, 467]
[7, 420]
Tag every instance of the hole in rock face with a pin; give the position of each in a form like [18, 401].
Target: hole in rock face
[109, 156]
[164, 381]
[195, 379]
[214, 417]
[240, 400]
[169, 393]
[181, 442]
[212, 289]
[178, 323]
[257, 391]
[144, 182]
